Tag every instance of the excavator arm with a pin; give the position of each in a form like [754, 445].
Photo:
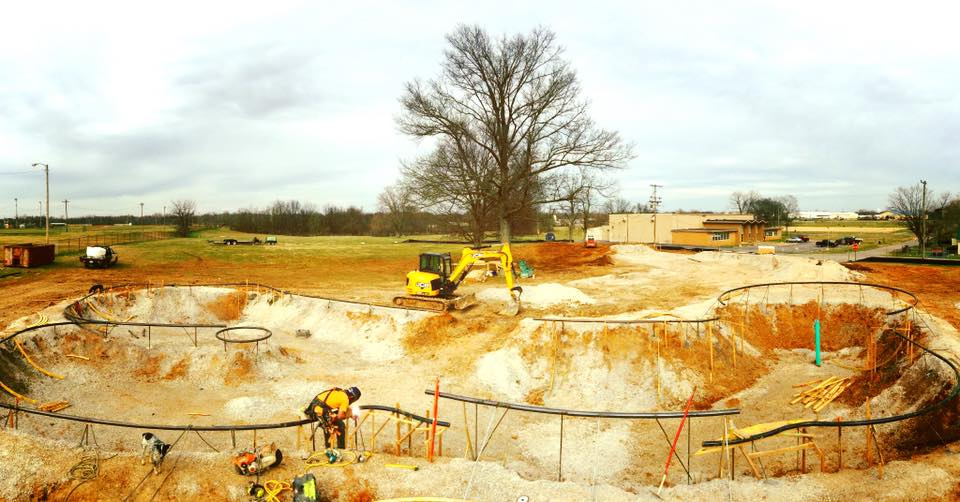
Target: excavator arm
[469, 257]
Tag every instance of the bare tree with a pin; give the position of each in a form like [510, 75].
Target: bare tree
[594, 188]
[617, 205]
[396, 203]
[741, 201]
[914, 203]
[454, 181]
[183, 213]
[516, 100]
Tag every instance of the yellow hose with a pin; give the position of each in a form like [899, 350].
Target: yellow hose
[274, 488]
[38, 368]
[16, 394]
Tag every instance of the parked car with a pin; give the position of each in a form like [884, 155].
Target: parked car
[795, 239]
[826, 243]
[849, 241]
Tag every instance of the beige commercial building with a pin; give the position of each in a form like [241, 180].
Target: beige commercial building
[698, 229]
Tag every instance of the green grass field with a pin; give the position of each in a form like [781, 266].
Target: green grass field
[847, 223]
[59, 234]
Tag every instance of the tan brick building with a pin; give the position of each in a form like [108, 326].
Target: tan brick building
[695, 229]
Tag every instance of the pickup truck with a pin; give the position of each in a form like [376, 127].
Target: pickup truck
[99, 257]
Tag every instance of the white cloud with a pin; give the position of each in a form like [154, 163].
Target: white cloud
[240, 104]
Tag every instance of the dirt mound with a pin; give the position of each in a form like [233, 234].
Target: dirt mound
[539, 295]
[555, 256]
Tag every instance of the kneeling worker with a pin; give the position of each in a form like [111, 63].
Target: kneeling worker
[331, 407]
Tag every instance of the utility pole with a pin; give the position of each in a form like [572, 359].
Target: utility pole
[46, 175]
[16, 214]
[163, 220]
[141, 213]
[66, 216]
[923, 221]
[654, 205]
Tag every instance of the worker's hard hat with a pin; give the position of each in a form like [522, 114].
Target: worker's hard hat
[353, 393]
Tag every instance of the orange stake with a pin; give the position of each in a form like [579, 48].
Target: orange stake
[673, 447]
[433, 427]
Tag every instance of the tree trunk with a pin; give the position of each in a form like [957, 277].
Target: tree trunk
[504, 228]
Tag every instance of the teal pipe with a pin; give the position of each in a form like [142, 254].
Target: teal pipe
[816, 338]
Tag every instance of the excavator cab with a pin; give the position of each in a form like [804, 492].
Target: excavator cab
[436, 263]
[432, 277]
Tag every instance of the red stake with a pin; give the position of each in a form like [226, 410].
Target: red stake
[433, 428]
[673, 447]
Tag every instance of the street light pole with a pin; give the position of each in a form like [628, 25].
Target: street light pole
[923, 221]
[46, 175]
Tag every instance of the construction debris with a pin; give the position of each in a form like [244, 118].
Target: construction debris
[822, 392]
[54, 406]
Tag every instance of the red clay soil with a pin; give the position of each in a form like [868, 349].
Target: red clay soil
[791, 326]
[228, 306]
[891, 354]
[553, 256]
[938, 287]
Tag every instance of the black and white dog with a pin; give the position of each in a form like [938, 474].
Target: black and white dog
[157, 449]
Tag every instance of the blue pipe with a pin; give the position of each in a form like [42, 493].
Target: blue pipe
[816, 338]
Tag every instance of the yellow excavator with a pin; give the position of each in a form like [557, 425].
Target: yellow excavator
[434, 284]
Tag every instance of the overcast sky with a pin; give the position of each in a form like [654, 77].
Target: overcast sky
[238, 105]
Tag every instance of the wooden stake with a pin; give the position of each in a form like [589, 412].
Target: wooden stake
[873, 430]
[397, 414]
[373, 431]
[710, 344]
[803, 452]
[466, 431]
[839, 445]
[658, 370]
[869, 451]
[733, 341]
[753, 467]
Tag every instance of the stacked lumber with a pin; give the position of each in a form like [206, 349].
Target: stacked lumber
[54, 406]
[821, 392]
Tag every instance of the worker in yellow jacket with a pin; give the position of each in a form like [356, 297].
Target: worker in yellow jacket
[331, 407]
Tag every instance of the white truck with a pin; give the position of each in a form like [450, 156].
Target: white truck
[99, 257]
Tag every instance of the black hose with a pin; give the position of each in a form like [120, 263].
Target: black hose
[585, 414]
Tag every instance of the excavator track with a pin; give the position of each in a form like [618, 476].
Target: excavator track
[435, 304]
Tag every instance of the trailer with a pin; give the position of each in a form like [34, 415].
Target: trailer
[28, 255]
[230, 241]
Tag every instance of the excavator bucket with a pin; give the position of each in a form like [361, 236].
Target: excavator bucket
[464, 301]
[513, 305]
[512, 308]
